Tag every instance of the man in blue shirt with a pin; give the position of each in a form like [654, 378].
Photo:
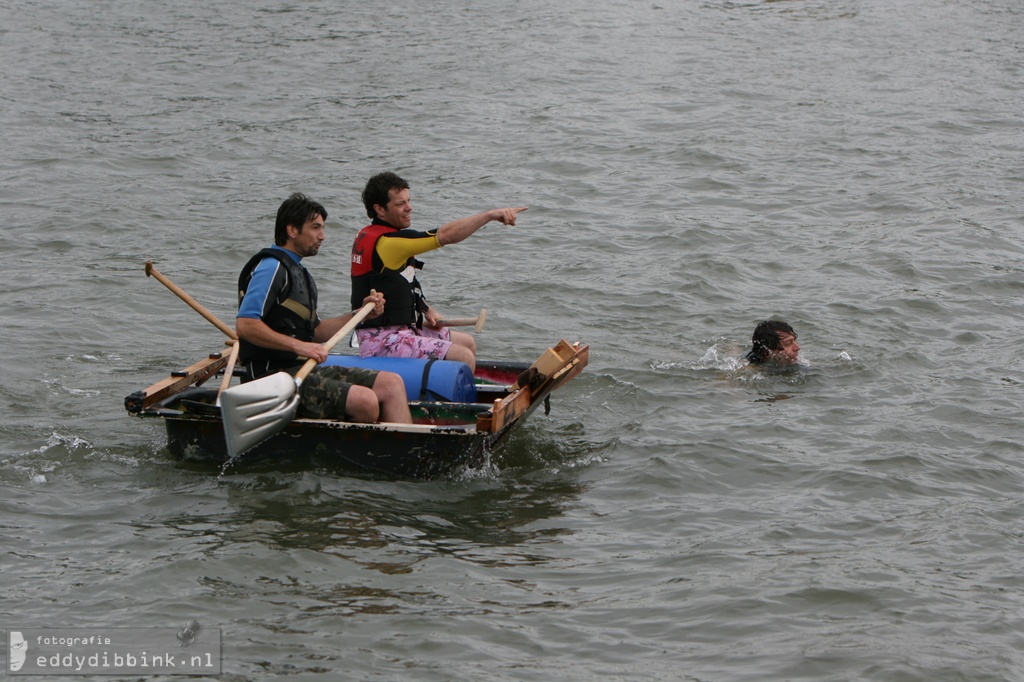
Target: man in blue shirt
[278, 326]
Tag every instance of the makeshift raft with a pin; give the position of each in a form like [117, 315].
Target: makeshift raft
[456, 419]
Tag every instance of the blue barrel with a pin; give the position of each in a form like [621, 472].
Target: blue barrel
[443, 379]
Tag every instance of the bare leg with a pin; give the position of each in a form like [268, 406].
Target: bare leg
[464, 339]
[461, 354]
[361, 405]
[389, 391]
[463, 349]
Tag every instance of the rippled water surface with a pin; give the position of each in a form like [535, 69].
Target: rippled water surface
[853, 166]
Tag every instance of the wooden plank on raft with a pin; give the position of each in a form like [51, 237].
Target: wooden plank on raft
[178, 381]
[556, 366]
[550, 361]
[571, 368]
[505, 411]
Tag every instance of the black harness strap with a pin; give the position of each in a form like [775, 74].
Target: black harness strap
[426, 375]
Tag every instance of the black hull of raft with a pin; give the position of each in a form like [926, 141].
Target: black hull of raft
[446, 437]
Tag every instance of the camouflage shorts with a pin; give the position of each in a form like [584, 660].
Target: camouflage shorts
[324, 392]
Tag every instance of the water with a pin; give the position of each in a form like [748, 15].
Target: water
[691, 168]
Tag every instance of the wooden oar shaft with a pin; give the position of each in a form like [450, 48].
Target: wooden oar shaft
[230, 369]
[477, 321]
[329, 345]
[193, 303]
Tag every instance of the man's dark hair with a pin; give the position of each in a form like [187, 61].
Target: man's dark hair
[766, 339]
[378, 191]
[296, 210]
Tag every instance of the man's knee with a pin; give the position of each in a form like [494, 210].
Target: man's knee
[465, 340]
[362, 405]
[461, 354]
[389, 386]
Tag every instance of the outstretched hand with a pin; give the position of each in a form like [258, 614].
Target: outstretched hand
[507, 216]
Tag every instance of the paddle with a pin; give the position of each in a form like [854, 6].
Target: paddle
[257, 410]
[478, 321]
[195, 305]
[229, 370]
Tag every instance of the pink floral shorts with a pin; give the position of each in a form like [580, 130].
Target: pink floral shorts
[404, 342]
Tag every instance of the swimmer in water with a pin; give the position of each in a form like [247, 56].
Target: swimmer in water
[774, 343]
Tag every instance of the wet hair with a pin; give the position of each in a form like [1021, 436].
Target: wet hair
[296, 210]
[378, 191]
[766, 339]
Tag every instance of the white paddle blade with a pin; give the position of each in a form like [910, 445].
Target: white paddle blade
[255, 411]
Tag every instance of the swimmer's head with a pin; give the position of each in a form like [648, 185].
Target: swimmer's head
[774, 341]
